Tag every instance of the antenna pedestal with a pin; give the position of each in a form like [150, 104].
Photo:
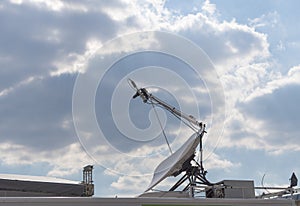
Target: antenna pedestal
[195, 177]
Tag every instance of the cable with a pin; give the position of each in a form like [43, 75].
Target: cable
[178, 117]
[188, 124]
[262, 183]
[162, 129]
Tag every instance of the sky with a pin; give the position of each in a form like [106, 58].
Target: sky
[65, 101]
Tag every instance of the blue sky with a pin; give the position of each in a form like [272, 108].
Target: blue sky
[63, 70]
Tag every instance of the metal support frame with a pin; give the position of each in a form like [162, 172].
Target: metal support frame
[87, 180]
[196, 175]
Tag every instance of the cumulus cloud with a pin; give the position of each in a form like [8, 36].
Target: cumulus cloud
[130, 186]
[209, 7]
[63, 161]
[36, 96]
[37, 113]
[277, 112]
[267, 118]
[266, 20]
[217, 162]
[47, 38]
[231, 43]
[278, 81]
[45, 44]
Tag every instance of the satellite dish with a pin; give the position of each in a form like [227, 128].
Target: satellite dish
[180, 161]
[173, 165]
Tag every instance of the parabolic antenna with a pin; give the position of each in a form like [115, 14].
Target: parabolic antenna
[180, 161]
[173, 165]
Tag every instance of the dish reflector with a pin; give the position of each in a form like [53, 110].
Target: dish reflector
[173, 164]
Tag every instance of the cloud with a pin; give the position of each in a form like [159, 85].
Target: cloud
[239, 53]
[209, 7]
[45, 44]
[271, 19]
[130, 186]
[74, 62]
[63, 161]
[38, 112]
[47, 38]
[292, 77]
[217, 162]
[267, 119]
[277, 112]
[231, 43]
